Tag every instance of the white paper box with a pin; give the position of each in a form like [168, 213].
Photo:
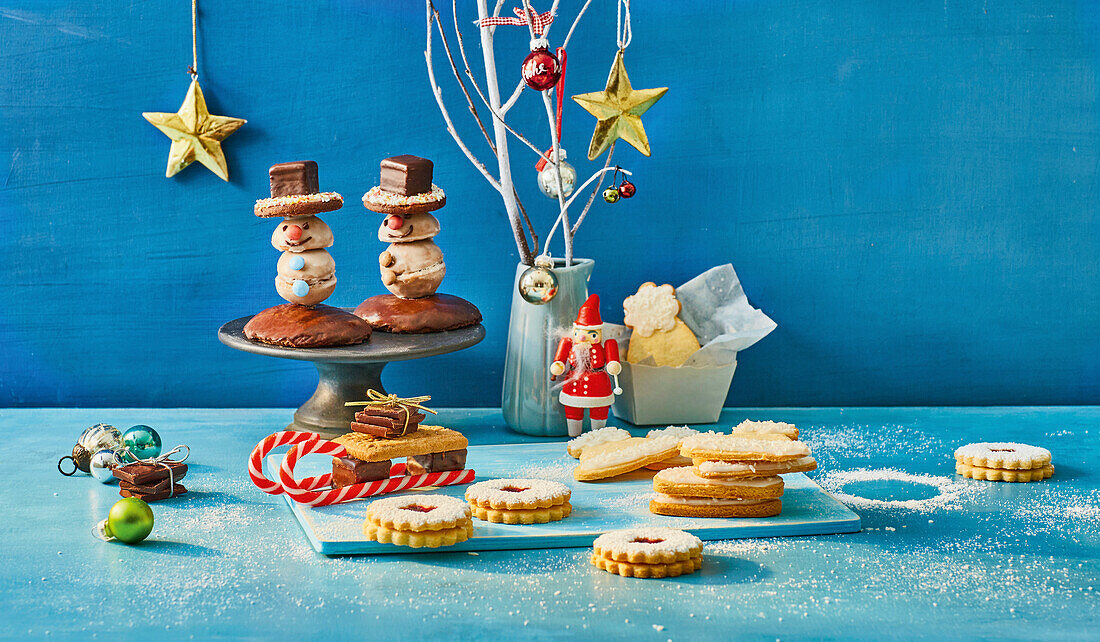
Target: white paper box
[660, 395]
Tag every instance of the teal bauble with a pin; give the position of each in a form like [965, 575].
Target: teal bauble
[130, 520]
[142, 442]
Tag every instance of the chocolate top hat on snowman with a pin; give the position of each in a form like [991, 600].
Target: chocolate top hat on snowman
[295, 192]
[405, 187]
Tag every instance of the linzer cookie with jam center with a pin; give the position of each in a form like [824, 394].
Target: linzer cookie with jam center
[648, 552]
[519, 501]
[1003, 461]
[419, 521]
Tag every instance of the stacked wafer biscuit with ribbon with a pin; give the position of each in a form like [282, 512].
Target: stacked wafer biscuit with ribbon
[389, 428]
[732, 475]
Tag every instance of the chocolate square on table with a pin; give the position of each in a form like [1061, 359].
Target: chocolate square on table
[383, 429]
[291, 179]
[141, 473]
[349, 470]
[392, 413]
[436, 462]
[406, 175]
[176, 491]
[151, 487]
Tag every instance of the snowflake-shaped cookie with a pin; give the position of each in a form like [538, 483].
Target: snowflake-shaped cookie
[653, 307]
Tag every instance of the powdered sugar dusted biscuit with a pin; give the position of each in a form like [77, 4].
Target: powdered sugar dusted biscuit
[418, 513]
[648, 545]
[742, 469]
[618, 457]
[766, 427]
[515, 494]
[678, 432]
[594, 438]
[677, 506]
[683, 481]
[1004, 474]
[1004, 455]
[653, 307]
[755, 447]
[383, 202]
[657, 331]
[524, 515]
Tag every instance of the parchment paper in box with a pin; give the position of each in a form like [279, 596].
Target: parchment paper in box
[715, 307]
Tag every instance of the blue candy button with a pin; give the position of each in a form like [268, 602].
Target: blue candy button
[300, 288]
[297, 262]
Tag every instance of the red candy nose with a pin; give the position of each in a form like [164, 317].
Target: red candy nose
[294, 232]
[395, 222]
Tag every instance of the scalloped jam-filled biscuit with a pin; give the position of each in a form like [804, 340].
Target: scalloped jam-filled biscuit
[418, 521]
[677, 506]
[619, 457]
[512, 494]
[576, 446]
[1004, 474]
[1003, 455]
[741, 469]
[657, 331]
[766, 427]
[648, 545]
[683, 481]
[750, 447]
[418, 512]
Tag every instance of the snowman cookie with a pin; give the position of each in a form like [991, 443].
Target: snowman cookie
[652, 314]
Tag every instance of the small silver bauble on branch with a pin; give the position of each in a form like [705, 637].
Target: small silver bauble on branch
[548, 177]
[539, 284]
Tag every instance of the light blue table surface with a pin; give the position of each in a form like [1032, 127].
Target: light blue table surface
[998, 560]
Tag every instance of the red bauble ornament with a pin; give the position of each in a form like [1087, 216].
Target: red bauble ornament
[541, 69]
[626, 189]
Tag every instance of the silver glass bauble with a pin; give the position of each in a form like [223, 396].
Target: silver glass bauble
[96, 438]
[538, 284]
[103, 464]
[548, 180]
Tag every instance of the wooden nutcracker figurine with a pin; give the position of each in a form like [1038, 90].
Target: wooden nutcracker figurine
[591, 360]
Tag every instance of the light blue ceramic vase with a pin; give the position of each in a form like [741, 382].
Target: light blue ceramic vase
[530, 402]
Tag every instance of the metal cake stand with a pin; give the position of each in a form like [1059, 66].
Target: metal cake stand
[345, 373]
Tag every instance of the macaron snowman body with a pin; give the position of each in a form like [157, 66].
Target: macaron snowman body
[412, 265]
[306, 271]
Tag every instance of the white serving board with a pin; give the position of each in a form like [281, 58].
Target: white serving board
[621, 502]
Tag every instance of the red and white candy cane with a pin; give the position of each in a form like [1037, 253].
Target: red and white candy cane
[273, 441]
[305, 491]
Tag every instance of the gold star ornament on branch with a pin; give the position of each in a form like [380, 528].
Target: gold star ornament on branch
[618, 110]
[196, 134]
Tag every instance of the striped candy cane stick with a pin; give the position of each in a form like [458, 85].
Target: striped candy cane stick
[273, 441]
[308, 494]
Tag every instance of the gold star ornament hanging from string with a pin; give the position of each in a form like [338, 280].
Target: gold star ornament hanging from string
[196, 134]
[618, 110]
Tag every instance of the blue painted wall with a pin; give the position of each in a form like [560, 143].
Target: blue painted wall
[909, 189]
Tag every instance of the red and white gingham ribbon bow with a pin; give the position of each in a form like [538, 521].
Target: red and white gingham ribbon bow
[539, 21]
[318, 491]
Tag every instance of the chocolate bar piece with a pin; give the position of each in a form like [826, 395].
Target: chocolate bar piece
[289, 179]
[152, 487]
[141, 474]
[392, 413]
[387, 431]
[436, 462]
[348, 470]
[177, 490]
[406, 175]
